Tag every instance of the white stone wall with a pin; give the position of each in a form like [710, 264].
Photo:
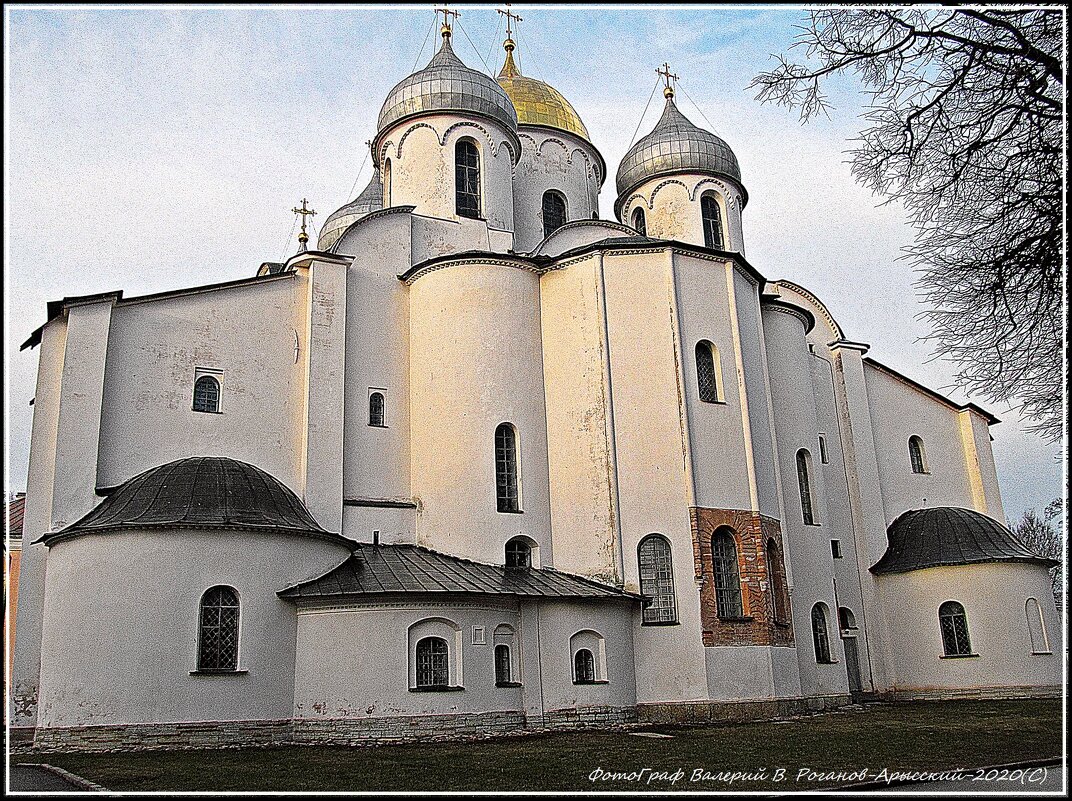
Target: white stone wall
[421, 154]
[671, 207]
[552, 159]
[121, 616]
[476, 362]
[994, 598]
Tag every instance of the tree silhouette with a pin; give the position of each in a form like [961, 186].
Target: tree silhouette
[966, 132]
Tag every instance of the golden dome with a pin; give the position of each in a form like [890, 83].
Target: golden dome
[536, 102]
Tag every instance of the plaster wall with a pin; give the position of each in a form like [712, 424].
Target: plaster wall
[994, 598]
[552, 160]
[671, 207]
[128, 656]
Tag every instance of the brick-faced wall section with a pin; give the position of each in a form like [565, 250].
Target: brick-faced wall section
[751, 531]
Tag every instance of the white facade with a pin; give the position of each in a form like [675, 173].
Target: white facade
[591, 345]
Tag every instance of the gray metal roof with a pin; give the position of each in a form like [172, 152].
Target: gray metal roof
[675, 145]
[370, 199]
[946, 535]
[446, 84]
[199, 492]
[390, 569]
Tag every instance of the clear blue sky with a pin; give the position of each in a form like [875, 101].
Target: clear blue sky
[154, 148]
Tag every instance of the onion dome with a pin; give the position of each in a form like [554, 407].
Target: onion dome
[446, 84]
[370, 199]
[200, 492]
[675, 145]
[946, 536]
[536, 102]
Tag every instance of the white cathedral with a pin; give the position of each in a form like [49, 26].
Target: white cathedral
[483, 463]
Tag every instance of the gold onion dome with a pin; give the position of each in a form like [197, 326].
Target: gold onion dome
[536, 102]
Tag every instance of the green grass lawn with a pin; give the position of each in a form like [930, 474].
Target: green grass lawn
[901, 736]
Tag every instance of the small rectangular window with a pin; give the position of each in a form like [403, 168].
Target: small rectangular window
[822, 450]
[479, 637]
[835, 548]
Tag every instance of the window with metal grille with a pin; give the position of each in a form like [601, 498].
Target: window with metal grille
[915, 454]
[506, 468]
[776, 579]
[638, 222]
[518, 553]
[206, 394]
[467, 178]
[217, 636]
[554, 212]
[712, 221]
[503, 673]
[707, 372]
[433, 667]
[727, 576]
[804, 480]
[584, 667]
[954, 624]
[657, 579]
[820, 637]
[375, 409]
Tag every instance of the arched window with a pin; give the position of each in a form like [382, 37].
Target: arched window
[433, 667]
[206, 394]
[727, 577]
[804, 480]
[217, 635]
[1036, 626]
[467, 178]
[584, 667]
[554, 212]
[954, 623]
[820, 637]
[776, 578]
[638, 222]
[657, 579]
[506, 469]
[518, 553]
[708, 372]
[375, 409]
[846, 618]
[503, 671]
[387, 183]
[712, 221]
[915, 454]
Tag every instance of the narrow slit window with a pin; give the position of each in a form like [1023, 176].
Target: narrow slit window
[727, 575]
[776, 582]
[915, 455]
[657, 579]
[712, 222]
[820, 635]
[503, 673]
[506, 469]
[376, 410]
[708, 372]
[804, 482]
[822, 450]
[638, 222]
[467, 179]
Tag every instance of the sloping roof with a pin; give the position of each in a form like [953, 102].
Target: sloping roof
[945, 536]
[16, 508]
[199, 492]
[391, 569]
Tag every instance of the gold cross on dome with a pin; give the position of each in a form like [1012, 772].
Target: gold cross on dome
[664, 71]
[304, 211]
[510, 17]
[447, 14]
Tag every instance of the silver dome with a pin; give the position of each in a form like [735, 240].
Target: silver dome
[370, 199]
[675, 145]
[446, 84]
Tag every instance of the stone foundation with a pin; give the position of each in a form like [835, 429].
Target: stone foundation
[981, 693]
[334, 731]
[724, 711]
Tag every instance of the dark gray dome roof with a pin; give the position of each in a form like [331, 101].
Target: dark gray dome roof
[370, 199]
[675, 145]
[946, 535]
[446, 84]
[200, 492]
